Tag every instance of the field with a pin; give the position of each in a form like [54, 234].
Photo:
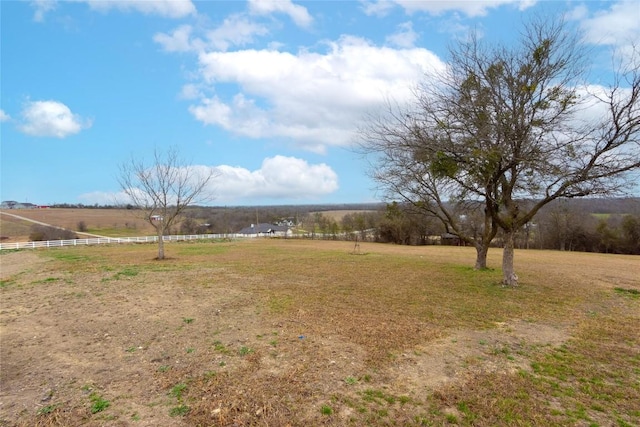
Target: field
[337, 215]
[302, 333]
[104, 222]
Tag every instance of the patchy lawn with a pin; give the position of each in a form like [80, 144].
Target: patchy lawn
[284, 332]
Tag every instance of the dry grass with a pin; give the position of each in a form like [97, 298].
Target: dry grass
[107, 222]
[338, 215]
[14, 230]
[284, 332]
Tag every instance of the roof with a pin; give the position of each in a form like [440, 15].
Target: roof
[263, 228]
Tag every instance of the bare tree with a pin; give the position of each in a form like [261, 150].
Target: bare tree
[502, 126]
[411, 168]
[164, 189]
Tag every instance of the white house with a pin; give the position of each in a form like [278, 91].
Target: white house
[266, 230]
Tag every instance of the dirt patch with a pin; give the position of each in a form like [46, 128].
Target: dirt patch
[67, 339]
[18, 262]
[505, 349]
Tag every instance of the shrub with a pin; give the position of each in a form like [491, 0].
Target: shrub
[44, 232]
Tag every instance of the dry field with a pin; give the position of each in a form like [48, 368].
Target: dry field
[107, 222]
[337, 215]
[305, 333]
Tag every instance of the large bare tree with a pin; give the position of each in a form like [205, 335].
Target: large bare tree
[164, 189]
[405, 169]
[503, 125]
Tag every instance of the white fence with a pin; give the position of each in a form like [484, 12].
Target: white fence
[115, 240]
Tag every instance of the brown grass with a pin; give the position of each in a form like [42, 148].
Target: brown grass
[109, 222]
[338, 215]
[288, 332]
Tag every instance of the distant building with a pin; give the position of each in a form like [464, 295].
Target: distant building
[264, 229]
[449, 239]
[286, 222]
[10, 204]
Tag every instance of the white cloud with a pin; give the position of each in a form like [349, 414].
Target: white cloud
[405, 36]
[41, 8]
[51, 118]
[378, 8]
[166, 8]
[297, 13]
[616, 26]
[190, 91]
[212, 111]
[104, 198]
[179, 40]
[235, 30]
[279, 177]
[4, 117]
[313, 99]
[435, 7]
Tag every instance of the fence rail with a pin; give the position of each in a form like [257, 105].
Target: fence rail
[116, 240]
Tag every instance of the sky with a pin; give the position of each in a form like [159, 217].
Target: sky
[269, 93]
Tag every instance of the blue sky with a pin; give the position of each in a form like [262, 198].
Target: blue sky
[268, 92]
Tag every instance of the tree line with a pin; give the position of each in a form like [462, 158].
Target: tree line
[607, 225]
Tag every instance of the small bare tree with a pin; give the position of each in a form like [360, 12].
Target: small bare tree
[164, 189]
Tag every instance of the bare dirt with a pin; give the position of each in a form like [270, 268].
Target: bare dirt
[68, 337]
[63, 341]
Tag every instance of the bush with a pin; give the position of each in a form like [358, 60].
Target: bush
[44, 232]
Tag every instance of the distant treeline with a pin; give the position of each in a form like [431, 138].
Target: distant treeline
[610, 225]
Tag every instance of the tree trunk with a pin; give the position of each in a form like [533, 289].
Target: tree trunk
[481, 256]
[509, 277]
[160, 243]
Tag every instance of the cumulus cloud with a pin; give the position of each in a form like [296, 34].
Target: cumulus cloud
[311, 98]
[297, 13]
[165, 8]
[51, 118]
[616, 26]
[435, 7]
[279, 177]
[4, 117]
[405, 36]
